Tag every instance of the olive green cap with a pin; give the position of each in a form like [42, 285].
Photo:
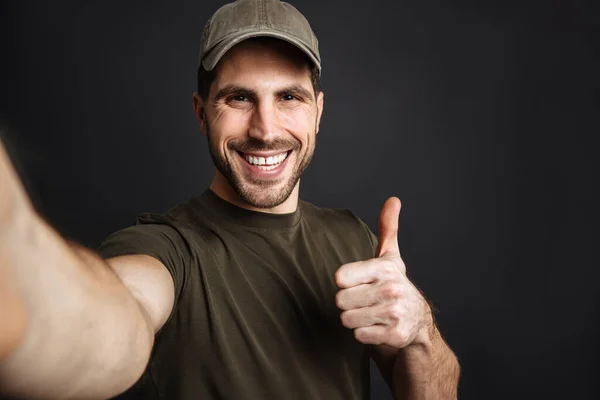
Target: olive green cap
[244, 19]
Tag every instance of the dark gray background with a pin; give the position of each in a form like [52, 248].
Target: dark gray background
[479, 115]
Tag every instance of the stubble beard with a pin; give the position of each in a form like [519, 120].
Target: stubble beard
[261, 193]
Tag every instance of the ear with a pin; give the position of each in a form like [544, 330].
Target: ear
[200, 112]
[319, 109]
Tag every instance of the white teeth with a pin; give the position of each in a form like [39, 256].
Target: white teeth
[268, 163]
[270, 167]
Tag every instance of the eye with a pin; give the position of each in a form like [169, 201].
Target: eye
[239, 97]
[288, 97]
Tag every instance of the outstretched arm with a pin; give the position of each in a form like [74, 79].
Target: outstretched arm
[69, 326]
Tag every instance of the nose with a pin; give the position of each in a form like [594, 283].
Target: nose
[264, 124]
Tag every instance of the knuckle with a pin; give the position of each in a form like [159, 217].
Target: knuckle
[346, 318]
[393, 290]
[387, 269]
[339, 279]
[395, 312]
[368, 336]
[360, 335]
[339, 300]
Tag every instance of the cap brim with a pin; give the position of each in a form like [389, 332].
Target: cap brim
[212, 58]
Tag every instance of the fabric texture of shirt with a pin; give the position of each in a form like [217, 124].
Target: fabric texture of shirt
[254, 314]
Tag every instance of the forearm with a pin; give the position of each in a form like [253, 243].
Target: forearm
[426, 369]
[13, 205]
[80, 334]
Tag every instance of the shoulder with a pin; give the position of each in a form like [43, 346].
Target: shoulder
[339, 222]
[180, 217]
[332, 215]
[152, 232]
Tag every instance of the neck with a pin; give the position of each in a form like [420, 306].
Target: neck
[222, 188]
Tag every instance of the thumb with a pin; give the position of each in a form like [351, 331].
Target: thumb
[388, 227]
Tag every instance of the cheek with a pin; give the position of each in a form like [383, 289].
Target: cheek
[299, 122]
[228, 125]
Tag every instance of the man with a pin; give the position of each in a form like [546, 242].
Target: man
[244, 292]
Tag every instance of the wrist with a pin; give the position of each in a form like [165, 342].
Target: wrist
[427, 332]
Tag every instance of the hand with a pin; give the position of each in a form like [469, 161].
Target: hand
[377, 299]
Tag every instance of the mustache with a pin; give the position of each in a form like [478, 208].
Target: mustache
[253, 144]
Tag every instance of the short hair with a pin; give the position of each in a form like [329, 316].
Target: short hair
[206, 78]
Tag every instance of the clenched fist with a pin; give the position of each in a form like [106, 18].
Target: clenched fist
[377, 299]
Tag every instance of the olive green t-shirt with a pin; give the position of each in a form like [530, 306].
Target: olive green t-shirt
[255, 314]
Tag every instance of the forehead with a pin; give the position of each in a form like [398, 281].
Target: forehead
[263, 59]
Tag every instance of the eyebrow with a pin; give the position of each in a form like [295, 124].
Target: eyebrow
[295, 90]
[237, 90]
[230, 90]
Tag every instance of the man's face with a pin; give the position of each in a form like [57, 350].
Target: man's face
[261, 119]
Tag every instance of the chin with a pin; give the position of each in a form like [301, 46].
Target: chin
[263, 196]
[254, 191]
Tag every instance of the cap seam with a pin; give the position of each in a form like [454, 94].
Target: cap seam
[262, 14]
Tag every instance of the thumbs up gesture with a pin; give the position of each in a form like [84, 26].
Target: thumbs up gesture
[376, 298]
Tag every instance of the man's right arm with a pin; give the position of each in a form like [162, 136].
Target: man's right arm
[72, 325]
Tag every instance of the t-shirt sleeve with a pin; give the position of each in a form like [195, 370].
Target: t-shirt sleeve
[155, 236]
[365, 233]
[371, 237]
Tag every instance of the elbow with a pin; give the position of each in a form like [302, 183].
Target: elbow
[118, 363]
[131, 360]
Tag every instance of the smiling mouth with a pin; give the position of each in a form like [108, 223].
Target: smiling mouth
[265, 163]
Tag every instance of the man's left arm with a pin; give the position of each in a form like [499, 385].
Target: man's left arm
[425, 369]
[387, 311]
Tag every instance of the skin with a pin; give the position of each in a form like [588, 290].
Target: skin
[62, 305]
[377, 299]
[71, 325]
[387, 311]
[12, 305]
[261, 100]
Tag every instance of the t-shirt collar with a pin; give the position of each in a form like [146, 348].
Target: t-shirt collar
[240, 216]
